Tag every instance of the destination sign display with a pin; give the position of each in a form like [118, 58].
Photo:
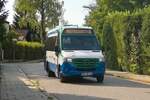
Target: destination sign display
[78, 31]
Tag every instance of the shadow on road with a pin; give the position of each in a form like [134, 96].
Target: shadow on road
[36, 71]
[108, 81]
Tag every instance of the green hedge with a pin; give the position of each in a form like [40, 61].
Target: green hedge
[132, 40]
[23, 50]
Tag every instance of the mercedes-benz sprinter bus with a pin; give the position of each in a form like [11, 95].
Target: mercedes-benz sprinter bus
[73, 51]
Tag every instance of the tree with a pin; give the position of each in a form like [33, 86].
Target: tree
[124, 19]
[39, 14]
[110, 47]
[145, 44]
[121, 5]
[26, 14]
[50, 11]
[132, 42]
[97, 15]
[16, 21]
[114, 5]
[3, 15]
[140, 3]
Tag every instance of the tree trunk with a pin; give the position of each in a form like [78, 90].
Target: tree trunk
[1, 54]
[42, 22]
[138, 52]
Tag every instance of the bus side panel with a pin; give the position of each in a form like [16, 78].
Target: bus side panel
[52, 60]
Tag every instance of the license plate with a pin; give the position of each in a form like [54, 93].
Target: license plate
[86, 74]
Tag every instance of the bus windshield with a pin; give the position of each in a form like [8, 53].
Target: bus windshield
[79, 42]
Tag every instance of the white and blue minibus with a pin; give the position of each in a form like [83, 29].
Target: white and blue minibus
[73, 51]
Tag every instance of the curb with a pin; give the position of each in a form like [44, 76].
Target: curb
[127, 75]
[0, 72]
[22, 61]
[36, 85]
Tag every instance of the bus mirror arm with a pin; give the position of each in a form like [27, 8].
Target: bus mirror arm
[57, 50]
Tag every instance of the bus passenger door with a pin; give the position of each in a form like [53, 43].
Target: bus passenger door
[51, 54]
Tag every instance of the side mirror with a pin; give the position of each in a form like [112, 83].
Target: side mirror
[57, 50]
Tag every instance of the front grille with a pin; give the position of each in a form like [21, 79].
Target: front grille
[85, 63]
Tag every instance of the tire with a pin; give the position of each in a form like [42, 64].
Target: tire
[49, 72]
[62, 79]
[100, 79]
[46, 66]
[45, 62]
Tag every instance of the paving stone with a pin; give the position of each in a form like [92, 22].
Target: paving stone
[14, 87]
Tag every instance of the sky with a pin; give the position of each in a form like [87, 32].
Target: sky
[74, 11]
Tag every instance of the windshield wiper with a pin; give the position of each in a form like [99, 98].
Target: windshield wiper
[95, 50]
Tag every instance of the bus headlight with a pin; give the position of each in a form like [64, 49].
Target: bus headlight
[102, 59]
[69, 60]
[66, 60]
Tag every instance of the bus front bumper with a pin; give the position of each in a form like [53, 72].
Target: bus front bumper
[69, 70]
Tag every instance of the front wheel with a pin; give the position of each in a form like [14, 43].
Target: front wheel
[100, 79]
[49, 72]
[46, 65]
[62, 78]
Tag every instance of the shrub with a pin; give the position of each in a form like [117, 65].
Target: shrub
[126, 40]
[110, 47]
[24, 50]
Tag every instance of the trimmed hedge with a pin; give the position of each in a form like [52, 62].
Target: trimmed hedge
[23, 50]
[131, 33]
[125, 38]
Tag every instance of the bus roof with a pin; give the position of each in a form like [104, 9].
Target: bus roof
[75, 26]
[54, 32]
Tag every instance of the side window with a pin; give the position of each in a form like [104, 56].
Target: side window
[52, 42]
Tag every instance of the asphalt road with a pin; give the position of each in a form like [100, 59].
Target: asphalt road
[113, 88]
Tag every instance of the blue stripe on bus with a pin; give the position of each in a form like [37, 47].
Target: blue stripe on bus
[52, 66]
